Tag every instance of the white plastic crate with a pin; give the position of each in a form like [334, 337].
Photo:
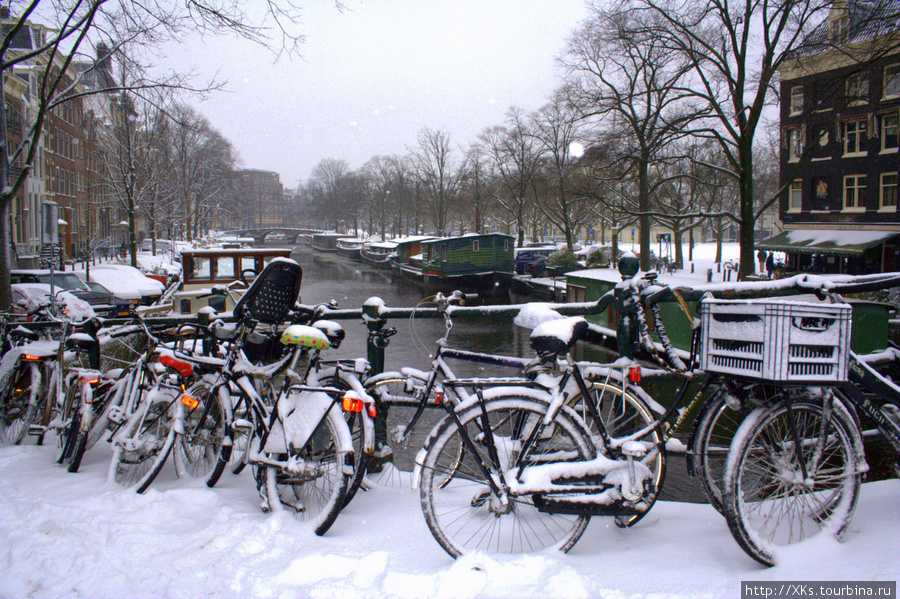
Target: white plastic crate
[776, 340]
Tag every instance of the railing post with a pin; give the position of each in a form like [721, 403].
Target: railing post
[376, 342]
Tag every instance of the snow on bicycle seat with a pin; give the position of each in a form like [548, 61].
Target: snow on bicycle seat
[334, 331]
[272, 294]
[556, 337]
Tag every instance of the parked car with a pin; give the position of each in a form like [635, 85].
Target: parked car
[104, 303]
[27, 297]
[530, 260]
[127, 282]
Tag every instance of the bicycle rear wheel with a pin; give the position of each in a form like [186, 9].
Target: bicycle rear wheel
[769, 502]
[714, 429]
[462, 511]
[623, 414]
[19, 404]
[202, 451]
[315, 486]
[73, 439]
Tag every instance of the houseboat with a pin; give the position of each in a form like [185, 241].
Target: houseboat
[222, 268]
[326, 242]
[378, 253]
[480, 264]
[349, 247]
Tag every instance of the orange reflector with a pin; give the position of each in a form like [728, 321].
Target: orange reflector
[352, 404]
[91, 381]
[372, 411]
[30, 357]
[439, 397]
[189, 401]
[634, 374]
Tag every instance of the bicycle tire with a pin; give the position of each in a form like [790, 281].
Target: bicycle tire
[767, 502]
[316, 494]
[144, 444]
[462, 512]
[19, 404]
[77, 432]
[623, 414]
[204, 451]
[714, 429]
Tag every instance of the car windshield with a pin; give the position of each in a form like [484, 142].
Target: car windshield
[66, 280]
[97, 287]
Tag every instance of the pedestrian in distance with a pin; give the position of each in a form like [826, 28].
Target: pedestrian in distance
[770, 265]
[761, 256]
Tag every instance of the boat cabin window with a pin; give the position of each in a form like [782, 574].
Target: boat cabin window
[204, 268]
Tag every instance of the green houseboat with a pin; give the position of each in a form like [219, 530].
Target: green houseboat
[480, 264]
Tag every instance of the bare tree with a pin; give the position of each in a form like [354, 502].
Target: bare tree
[72, 25]
[327, 186]
[554, 128]
[439, 174]
[513, 150]
[632, 84]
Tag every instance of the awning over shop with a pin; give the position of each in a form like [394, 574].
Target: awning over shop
[826, 241]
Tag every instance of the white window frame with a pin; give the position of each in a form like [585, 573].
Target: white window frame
[795, 191]
[857, 185]
[881, 192]
[860, 130]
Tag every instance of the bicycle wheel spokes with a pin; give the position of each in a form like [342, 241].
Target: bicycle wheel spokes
[461, 507]
[199, 451]
[781, 493]
[142, 451]
[16, 411]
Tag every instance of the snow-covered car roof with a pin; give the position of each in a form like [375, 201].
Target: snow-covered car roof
[125, 281]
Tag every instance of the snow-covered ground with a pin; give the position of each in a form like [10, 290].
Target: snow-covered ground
[76, 535]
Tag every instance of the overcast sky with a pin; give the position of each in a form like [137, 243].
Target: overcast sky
[373, 76]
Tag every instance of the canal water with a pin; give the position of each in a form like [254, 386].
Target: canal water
[329, 276]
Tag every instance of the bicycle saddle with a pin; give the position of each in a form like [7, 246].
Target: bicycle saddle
[555, 337]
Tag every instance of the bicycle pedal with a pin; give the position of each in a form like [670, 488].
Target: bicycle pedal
[37, 430]
[116, 415]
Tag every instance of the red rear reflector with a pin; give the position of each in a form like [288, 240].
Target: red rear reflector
[90, 381]
[352, 404]
[439, 397]
[189, 401]
[634, 374]
[372, 411]
[30, 357]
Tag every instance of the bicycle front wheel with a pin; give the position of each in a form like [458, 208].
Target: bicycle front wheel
[793, 473]
[316, 483]
[460, 506]
[77, 412]
[202, 451]
[144, 444]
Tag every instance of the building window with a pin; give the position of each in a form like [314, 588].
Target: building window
[889, 192]
[797, 99]
[854, 186]
[857, 89]
[795, 143]
[795, 197]
[853, 136]
[475, 245]
[891, 81]
[890, 132]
